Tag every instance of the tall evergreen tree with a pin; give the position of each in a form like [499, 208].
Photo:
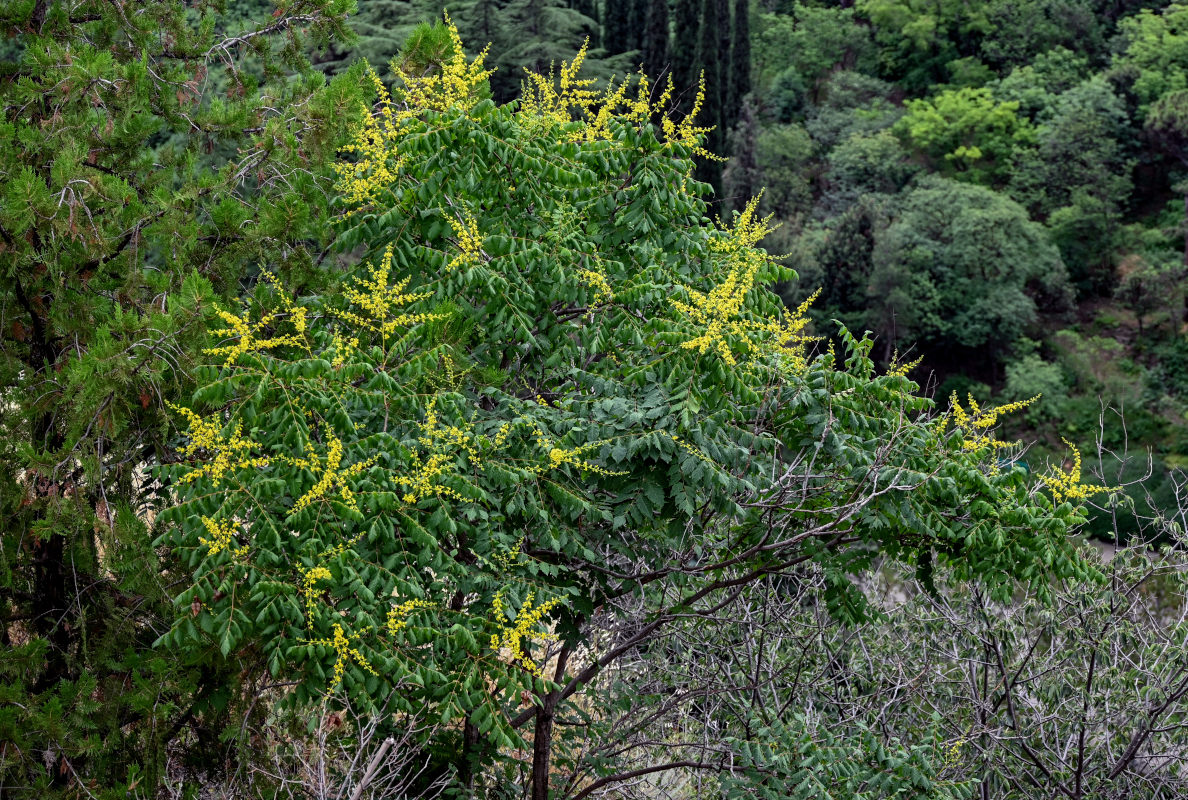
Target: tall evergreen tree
[149, 153]
[655, 40]
[722, 17]
[740, 58]
[685, 64]
[589, 10]
[617, 18]
[709, 54]
[741, 178]
[638, 23]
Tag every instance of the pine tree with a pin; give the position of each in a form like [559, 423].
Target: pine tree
[740, 58]
[655, 40]
[146, 159]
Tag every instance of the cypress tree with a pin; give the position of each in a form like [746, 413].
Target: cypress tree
[637, 23]
[685, 64]
[616, 26]
[725, 117]
[589, 9]
[741, 177]
[655, 40]
[740, 58]
[709, 54]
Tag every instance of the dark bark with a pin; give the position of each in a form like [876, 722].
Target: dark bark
[542, 739]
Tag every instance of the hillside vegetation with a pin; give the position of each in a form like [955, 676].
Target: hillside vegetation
[691, 399]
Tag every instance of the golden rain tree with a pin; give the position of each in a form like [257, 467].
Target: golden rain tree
[554, 384]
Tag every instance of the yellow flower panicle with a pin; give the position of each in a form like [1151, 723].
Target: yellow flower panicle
[376, 141]
[332, 477]
[902, 368]
[398, 614]
[1066, 487]
[951, 756]
[422, 481]
[977, 422]
[555, 102]
[248, 334]
[344, 653]
[720, 313]
[560, 456]
[377, 301]
[309, 580]
[343, 348]
[505, 562]
[225, 453]
[512, 638]
[597, 281]
[222, 536]
[469, 241]
[440, 449]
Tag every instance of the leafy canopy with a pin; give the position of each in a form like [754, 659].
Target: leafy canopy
[552, 383]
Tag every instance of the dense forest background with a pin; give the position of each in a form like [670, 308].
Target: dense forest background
[997, 190]
[995, 187]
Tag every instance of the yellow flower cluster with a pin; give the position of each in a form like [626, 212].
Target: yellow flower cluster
[689, 448]
[441, 446]
[421, 482]
[344, 652]
[376, 140]
[248, 333]
[469, 241]
[228, 453]
[332, 475]
[952, 754]
[719, 313]
[222, 535]
[309, 579]
[597, 281]
[343, 348]
[513, 637]
[555, 101]
[560, 456]
[902, 368]
[977, 422]
[397, 614]
[1067, 487]
[378, 300]
[505, 561]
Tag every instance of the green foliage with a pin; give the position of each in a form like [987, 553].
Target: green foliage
[810, 43]
[966, 133]
[782, 154]
[962, 267]
[865, 163]
[801, 763]
[148, 162]
[852, 103]
[919, 39]
[522, 34]
[1025, 33]
[1155, 57]
[1031, 375]
[552, 389]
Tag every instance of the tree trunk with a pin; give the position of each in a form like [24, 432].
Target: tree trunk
[542, 738]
